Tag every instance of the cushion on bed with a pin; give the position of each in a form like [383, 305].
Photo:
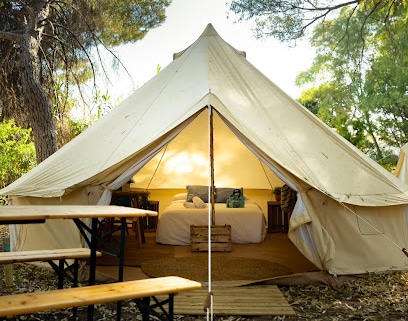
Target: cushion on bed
[198, 202]
[197, 190]
[222, 193]
[180, 197]
[189, 205]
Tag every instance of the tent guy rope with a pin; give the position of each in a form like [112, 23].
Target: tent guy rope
[157, 167]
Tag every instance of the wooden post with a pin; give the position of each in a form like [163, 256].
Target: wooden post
[8, 268]
[212, 189]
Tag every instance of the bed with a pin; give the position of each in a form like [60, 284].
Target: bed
[248, 224]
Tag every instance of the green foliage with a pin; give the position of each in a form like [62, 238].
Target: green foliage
[359, 79]
[125, 21]
[386, 81]
[289, 20]
[334, 107]
[17, 152]
[102, 102]
[67, 128]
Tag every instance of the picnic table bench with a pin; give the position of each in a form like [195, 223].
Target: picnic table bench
[30, 214]
[141, 291]
[61, 255]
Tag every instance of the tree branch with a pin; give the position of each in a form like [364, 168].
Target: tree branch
[12, 36]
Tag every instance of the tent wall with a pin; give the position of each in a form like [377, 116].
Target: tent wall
[351, 239]
[53, 233]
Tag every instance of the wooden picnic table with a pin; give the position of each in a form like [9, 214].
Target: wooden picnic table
[26, 214]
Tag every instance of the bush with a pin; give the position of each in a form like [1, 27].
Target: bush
[17, 153]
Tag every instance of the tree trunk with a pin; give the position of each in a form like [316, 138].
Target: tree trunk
[36, 100]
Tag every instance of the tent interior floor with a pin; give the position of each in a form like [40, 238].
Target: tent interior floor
[276, 248]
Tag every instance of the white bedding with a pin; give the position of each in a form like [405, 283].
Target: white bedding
[248, 224]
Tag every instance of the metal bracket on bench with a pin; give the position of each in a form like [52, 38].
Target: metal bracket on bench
[61, 268]
[146, 308]
[105, 238]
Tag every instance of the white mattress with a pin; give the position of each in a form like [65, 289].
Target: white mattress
[248, 224]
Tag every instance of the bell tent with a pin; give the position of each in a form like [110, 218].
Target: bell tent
[350, 216]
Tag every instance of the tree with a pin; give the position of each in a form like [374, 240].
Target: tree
[386, 83]
[44, 40]
[361, 93]
[289, 20]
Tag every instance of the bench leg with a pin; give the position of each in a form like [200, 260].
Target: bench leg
[61, 274]
[146, 308]
[60, 270]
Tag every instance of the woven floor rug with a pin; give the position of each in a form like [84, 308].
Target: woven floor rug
[223, 268]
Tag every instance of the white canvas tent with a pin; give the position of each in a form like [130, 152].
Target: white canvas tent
[351, 214]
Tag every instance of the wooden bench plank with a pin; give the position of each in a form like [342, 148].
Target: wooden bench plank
[63, 268]
[25, 303]
[45, 255]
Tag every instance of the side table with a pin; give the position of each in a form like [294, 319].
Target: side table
[277, 221]
[150, 222]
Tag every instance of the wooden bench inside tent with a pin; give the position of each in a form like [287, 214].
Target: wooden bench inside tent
[141, 291]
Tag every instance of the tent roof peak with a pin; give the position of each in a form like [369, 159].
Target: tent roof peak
[209, 31]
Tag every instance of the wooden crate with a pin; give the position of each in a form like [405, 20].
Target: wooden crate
[220, 238]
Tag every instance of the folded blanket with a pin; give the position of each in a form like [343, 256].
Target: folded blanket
[198, 202]
[189, 205]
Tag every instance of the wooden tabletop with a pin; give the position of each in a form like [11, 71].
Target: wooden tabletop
[42, 212]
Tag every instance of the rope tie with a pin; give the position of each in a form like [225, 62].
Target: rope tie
[107, 187]
[207, 302]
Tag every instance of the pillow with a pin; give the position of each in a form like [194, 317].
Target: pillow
[222, 193]
[197, 190]
[180, 197]
[198, 202]
[189, 205]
